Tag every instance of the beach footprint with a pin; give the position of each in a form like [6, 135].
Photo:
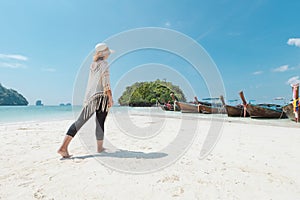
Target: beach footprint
[39, 194]
[177, 191]
[169, 179]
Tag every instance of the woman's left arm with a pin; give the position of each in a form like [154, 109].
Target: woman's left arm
[107, 88]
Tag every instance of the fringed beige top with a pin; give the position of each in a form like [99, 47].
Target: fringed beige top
[98, 84]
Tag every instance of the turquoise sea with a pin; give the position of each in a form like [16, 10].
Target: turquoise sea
[16, 114]
[13, 114]
[10, 114]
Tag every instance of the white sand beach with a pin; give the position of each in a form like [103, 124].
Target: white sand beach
[251, 160]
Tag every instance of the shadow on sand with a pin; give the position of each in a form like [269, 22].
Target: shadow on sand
[125, 154]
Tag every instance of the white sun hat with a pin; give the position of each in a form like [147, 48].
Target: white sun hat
[102, 47]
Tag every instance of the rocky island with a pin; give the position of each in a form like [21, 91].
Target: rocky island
[10, 97]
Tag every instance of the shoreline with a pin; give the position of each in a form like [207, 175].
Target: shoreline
[189, 116]
[152, 111]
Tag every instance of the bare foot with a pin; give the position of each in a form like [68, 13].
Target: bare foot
[101, 150]
[64, 154]
[100, 146]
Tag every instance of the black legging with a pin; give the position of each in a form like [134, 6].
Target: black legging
[100, 119]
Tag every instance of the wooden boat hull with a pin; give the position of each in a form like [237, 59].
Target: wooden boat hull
[235, 111]
[194, 108]
[256, 111]
[165, 108]
[289, 111]
[260, 112]
[188, 107]
[212, 110]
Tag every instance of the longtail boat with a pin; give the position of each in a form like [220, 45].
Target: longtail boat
[234, 111]
[208, 108]
[191, 107]
[211, 110]
[289, 111]
[188, 107]
[202, 102]
[169, 108]
[263, 110]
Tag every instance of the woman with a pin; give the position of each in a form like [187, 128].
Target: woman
[98, 100]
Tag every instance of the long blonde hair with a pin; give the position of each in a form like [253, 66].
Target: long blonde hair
[101, 54]
[98, 55]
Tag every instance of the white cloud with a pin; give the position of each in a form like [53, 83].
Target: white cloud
[12, 61]
[13, 57]
[293, 80]
[282, 68]
[49, 69]
[12, 65]
[294, 41]
[257, 72]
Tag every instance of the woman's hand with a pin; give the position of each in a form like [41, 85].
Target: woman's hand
[110, 99]
[110, 102]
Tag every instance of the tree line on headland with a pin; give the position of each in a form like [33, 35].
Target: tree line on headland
[149, 93]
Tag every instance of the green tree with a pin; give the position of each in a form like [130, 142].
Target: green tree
[147, 93]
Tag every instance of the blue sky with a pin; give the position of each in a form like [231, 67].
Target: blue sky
[255, 44]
